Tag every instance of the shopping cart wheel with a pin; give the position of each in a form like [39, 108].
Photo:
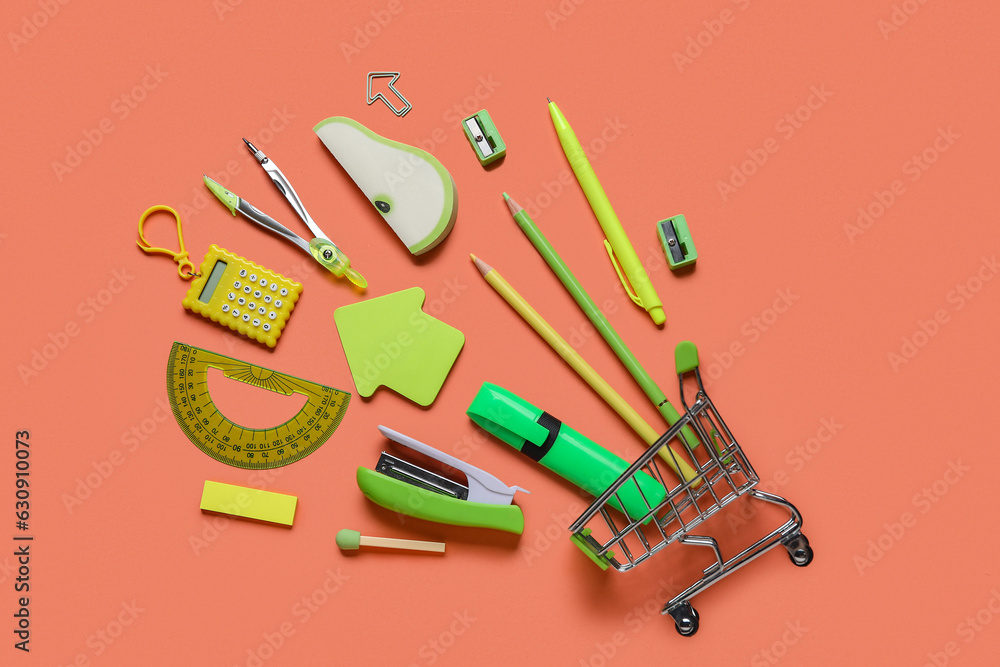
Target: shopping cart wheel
[685, 619]
[799, 550]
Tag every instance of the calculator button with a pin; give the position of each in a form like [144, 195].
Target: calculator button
[273, 287]
[266, 327]
[277, 303]
[263, 282]
[236, 312]
[267, 298]
[237, 284]
[262, 310]
[271, 315]
[256, 322]
[246, 289]
[252, 306]
[243, 273]
[256, 293]
[225, 307]
[253, 277]
[246, 317]
[284, 291]
[232, 297]
[242, 301]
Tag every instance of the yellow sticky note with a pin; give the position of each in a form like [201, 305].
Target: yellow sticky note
[248, 503]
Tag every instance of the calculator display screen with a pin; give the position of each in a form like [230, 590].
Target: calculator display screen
[212, 282]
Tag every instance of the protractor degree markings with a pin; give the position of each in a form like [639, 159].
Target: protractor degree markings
[300, 435]
[317, 405]
[298, 386]
[246, 376]
[272, 382]
[226, 364]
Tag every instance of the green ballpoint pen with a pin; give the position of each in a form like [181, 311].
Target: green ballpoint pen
[597, 318]
[620, 250]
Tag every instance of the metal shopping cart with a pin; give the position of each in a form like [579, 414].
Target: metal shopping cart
[611, 538]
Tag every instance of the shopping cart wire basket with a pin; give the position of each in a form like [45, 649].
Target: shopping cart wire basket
[612, 539]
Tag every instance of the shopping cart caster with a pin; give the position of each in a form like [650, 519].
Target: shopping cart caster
[799, 550]
[685, 619]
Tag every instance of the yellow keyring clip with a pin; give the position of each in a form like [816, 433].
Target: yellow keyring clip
[180, 257]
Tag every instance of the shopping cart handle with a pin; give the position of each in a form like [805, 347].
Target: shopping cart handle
[686, 357]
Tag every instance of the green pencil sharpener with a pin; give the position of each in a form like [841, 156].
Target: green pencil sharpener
[483, 135]
[676, 240]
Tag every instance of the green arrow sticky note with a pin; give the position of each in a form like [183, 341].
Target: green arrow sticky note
[389, 341]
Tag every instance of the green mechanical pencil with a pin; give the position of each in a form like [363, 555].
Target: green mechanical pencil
[619, 248]
[596, 317]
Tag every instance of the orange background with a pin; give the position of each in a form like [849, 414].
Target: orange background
[151, 96]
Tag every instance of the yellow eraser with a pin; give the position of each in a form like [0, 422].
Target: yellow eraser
[248, 503]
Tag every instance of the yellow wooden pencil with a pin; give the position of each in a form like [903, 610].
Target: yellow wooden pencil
[583, 369]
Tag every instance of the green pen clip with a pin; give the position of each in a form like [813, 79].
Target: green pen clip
[404, 487]
[676, 239]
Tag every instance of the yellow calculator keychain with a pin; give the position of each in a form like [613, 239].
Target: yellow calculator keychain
[230, 289]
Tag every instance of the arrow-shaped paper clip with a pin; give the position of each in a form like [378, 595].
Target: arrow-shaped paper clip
[376, 96]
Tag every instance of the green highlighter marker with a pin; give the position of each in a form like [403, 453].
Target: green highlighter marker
[597, 318]
[573, 456]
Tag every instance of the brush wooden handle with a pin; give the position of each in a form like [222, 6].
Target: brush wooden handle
[350, 540]
[412, 545]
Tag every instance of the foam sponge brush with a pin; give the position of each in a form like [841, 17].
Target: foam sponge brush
[408, 186]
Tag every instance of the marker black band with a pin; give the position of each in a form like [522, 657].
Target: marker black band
[550, 424]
